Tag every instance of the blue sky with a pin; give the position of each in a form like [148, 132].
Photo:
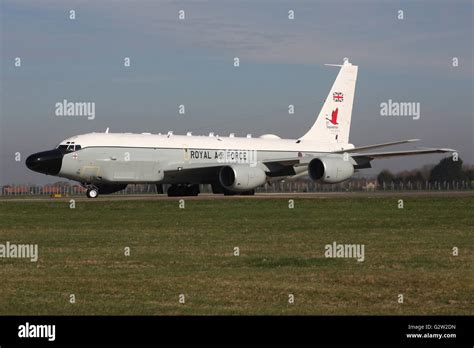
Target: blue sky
[190, 62]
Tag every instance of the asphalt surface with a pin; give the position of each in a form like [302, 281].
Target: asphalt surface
[208, 196]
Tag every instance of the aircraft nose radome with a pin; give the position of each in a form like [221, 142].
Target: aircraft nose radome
[46, 162]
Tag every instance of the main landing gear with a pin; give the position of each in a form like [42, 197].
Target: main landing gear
[183, 190]
[217, 188]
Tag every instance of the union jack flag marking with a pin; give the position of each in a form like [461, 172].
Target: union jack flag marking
[338, 97]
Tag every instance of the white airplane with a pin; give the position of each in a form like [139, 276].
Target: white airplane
[106, 162]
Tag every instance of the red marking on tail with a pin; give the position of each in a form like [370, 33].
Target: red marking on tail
[333, 119]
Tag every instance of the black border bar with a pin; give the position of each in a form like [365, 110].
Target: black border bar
[342, 330]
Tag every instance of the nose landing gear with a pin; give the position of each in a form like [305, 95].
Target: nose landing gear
[104, 189]
[92, 193]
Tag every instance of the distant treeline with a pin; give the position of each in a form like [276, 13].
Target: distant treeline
[446, 171]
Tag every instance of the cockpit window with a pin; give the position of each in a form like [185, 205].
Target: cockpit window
[69, 147]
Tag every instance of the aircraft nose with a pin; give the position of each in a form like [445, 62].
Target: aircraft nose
[46, 162]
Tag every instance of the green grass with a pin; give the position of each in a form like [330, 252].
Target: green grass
[81, 251]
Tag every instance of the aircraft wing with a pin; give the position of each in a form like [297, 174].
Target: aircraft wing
[285, 167]
[354, 153]
[202, 173]
[363, 159]
[420, 151]
[376, 146]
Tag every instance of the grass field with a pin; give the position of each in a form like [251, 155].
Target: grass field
[190, 251]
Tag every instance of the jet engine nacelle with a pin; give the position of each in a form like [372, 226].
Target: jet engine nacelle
[241, 177]
[330, 170]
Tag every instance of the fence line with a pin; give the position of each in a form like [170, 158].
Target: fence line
[66, 189]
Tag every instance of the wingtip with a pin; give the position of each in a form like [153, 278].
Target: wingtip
[437, 149]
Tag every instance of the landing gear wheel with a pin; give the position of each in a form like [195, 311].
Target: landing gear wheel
[183, 190]
[228, 192]
[248, 193]
[173, 191]
[192, 190]
[92, 193]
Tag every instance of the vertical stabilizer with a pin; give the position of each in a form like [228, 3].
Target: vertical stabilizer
[334, 121]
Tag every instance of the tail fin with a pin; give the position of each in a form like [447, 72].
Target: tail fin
[334, 121]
